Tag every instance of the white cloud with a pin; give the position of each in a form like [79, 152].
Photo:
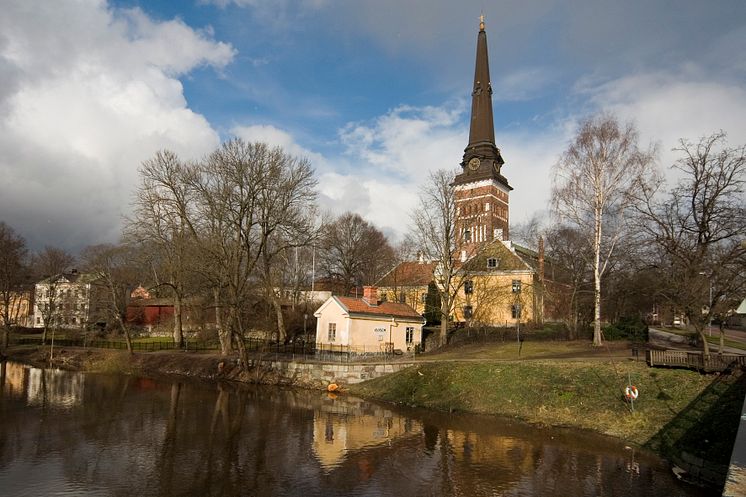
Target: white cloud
[92, 92]
[277, 137]
[668, 106]
[407, 142]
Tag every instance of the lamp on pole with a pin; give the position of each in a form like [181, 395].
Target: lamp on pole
[709, 304]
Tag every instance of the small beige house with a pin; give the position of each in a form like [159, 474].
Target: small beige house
[367, 325]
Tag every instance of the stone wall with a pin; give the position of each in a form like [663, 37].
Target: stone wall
[319, 375]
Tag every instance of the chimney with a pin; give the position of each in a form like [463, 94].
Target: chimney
[370, 295]
[541, 258]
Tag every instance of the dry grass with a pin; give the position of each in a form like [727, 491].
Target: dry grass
[584, 394]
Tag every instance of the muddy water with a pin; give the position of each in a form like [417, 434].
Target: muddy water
[65, 433]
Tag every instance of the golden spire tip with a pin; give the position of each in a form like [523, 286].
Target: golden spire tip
[481, 22]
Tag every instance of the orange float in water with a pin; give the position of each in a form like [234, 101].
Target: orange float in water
[332, 387]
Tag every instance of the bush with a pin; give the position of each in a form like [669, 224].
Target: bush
[627, 328]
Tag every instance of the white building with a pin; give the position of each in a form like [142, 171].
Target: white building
[367, 325]
[68, 300]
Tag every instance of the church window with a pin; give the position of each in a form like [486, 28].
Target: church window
[487, 206]
[468, 287]
[516, 286]
[515, 311]
[468, 312]
[491, 262]
[498, 235]
[467, 235]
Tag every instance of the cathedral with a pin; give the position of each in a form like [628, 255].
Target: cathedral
[500, 283]
[482, 192]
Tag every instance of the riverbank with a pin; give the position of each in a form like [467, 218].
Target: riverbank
[582, 394]
[673, 410]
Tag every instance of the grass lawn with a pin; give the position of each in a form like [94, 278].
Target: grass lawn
[509, 350]
[585, 394]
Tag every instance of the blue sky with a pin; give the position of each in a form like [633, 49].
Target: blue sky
[374, 92]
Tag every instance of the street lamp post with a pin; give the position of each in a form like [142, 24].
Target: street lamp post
[709, 325]
[709, 304]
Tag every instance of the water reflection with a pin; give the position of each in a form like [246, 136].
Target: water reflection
[42, 386]
[111, 435]
[344, 425]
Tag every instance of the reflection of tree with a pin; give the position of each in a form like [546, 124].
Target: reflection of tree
[166, 463]
[134, 437]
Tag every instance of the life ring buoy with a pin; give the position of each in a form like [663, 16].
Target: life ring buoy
[631, 393]
[332, 387]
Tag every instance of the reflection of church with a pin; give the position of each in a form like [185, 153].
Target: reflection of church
[342, 427]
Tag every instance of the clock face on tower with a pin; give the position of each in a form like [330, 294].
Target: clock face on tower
[474, 164]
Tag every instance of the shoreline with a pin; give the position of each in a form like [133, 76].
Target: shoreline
[669, 417]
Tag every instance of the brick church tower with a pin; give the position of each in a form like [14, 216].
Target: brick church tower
[481, 190]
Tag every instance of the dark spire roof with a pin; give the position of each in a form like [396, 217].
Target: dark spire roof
[482, 128]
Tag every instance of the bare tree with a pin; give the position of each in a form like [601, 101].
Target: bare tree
[571, 255]
[239, 209]
[696, 231]
[434, 229]
[118, 275]
[13, 273]
[594, 185]
[528, 232]
[354, 252]
[159, 223]
[50, 264]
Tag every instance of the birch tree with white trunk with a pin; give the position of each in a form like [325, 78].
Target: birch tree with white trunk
[593, 189]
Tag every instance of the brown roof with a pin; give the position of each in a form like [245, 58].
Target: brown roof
[410, 273]
[384, 309]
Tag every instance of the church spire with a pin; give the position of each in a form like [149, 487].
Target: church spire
[482, 130]
[482, 159]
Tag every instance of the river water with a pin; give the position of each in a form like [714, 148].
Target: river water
[64, 433]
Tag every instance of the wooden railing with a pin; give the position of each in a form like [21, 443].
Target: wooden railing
[693, 360]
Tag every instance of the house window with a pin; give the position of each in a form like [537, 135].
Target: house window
[515, 311]
[409, 335]
[75, 320]
[516, 286]
[332, 332]
[492, 262]
[38, 320]
[468, 312]
[468, 287]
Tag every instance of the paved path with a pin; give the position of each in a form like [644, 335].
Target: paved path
[675, 341]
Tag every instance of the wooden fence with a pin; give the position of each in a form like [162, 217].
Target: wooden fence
[693, 360]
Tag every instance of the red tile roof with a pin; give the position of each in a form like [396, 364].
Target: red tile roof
[409, 273]
[384, 309]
